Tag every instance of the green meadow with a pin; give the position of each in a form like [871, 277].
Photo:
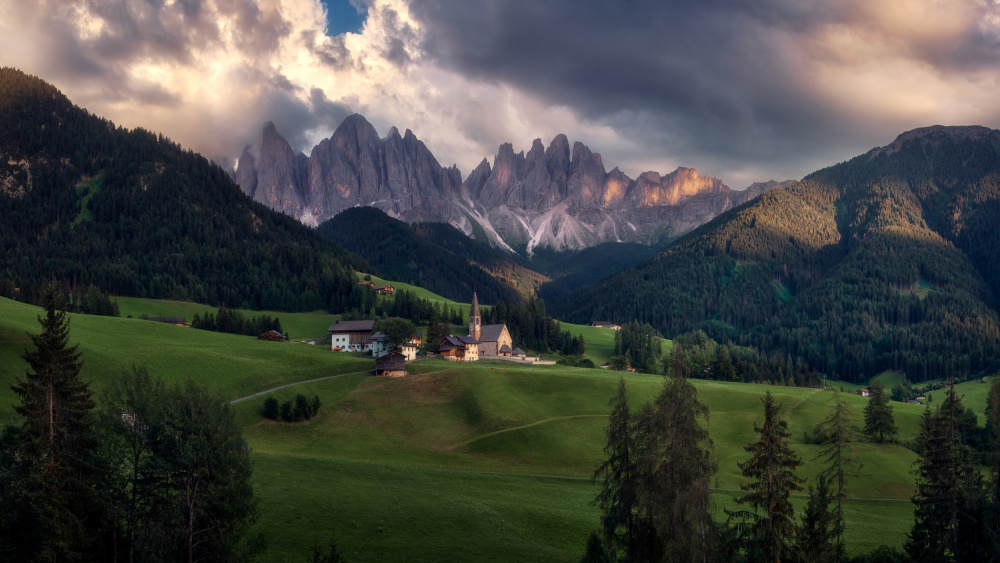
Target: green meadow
[299, 326]
[464, 461]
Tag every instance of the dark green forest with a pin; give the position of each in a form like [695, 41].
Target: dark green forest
[435, 256]
[887, 261]
[132, 213]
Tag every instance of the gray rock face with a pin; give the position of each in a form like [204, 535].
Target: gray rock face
[547, 197]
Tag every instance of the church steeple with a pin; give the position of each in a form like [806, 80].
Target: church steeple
[475, 320]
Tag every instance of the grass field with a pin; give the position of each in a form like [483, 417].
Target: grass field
[447, 462]
[299, 326]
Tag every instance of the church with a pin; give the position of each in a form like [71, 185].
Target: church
[494, 340]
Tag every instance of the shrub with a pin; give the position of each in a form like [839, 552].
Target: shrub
[271, 409]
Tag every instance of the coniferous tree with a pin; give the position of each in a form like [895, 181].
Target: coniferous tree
[817, 536]
[993, 505]
[618, 498]
[878, 413]
[766, 531]
[54, 440]
[948, 516]
[842, 459]
[675, 468]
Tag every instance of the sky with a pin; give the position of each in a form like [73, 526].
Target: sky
[743, 90]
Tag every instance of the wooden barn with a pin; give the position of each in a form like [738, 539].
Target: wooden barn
[391, 365]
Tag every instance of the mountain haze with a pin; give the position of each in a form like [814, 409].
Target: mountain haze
[559, 196]
[887, 261]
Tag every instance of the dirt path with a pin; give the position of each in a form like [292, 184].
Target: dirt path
[529, 425]
[234, 401]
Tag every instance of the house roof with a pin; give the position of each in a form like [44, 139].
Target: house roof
[383, 286]
[378, 336]
[518, 352]
[351, 326]
[505, 349]
[490, 333]
[458, 341]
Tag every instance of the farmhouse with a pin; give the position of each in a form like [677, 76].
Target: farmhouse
[350, 336]
[863, 392]
[494, 340]
[459, 348]
[605, 324]
[384, 289]
[391, 365]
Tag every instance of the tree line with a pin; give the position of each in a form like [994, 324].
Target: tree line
[233, 321]
[655, 492]
[146, 472]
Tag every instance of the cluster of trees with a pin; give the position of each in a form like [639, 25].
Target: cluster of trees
[708, 359]
[88, 300]
[854, 269]
[404, 304]
[637, 346]
[302, 408]
[233, 321]
[158, 221]
[654, 498]
[532, 328]
[150, 472]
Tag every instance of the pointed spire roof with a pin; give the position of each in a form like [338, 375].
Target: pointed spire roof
[475, 306]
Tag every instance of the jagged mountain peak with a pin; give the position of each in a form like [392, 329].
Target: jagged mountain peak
[558, 195]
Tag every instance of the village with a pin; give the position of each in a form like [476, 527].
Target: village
[482, 342]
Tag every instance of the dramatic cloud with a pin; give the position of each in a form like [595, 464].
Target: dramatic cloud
[743, 90]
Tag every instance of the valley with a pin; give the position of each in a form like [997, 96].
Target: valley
[452, 450]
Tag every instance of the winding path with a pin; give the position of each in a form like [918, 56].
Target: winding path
[234, 401]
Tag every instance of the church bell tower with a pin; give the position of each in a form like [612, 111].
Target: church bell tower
[475, 321]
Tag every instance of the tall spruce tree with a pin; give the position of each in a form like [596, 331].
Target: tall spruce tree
[840, 456]
[766, 531]
[675, 468]
[948, 513]
[878, 413]
[54, 439]
[993, 505]
[617, 499]
[816, 539]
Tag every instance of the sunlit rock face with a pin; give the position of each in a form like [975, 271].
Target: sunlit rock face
[552, 196]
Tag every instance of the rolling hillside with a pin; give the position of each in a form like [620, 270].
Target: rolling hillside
[425, 462]
[886, 261]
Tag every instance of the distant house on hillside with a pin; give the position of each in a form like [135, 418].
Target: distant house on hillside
[384, 289]
[605, 324]
[863, 392]
[459, 348]
[350, 336]
[391, 365]
[273, 336]
[369, 283]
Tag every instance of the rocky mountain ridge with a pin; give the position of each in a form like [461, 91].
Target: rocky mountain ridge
[554, 196]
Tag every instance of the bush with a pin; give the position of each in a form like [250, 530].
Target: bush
[287, 412]
[303, 408]
[271, 409]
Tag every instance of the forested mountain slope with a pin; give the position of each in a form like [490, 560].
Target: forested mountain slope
[135, 214]
[435, 256]
[889, 260]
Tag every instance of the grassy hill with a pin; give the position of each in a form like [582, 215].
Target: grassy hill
[420, 465]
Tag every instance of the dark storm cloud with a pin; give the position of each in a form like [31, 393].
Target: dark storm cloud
[294, 119]
[721, 78]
